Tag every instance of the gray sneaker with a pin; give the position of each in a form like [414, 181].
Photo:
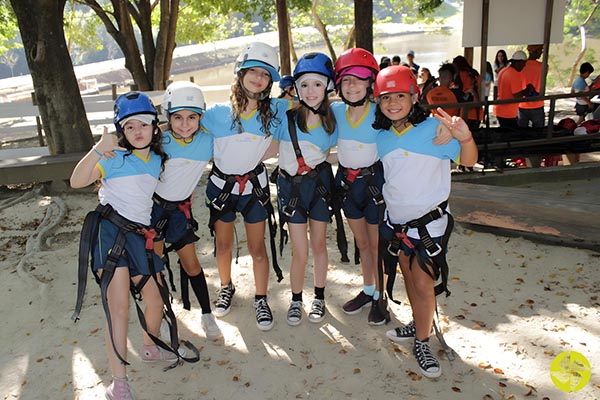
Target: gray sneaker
[317, 311]
[294, 314]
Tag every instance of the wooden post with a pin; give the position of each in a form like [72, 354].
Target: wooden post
[547, 32]
[38, 121]
[114, 91]
[192, 78]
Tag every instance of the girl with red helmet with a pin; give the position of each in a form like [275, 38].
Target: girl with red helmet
[359, 177]
[417, 224]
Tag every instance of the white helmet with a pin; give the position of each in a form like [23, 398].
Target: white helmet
[261, 55]
[183, 95]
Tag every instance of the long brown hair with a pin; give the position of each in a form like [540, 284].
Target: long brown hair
[239, 102]
[325, 114]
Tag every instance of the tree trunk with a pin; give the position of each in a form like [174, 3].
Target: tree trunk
[284, 37]
[321, 28]
[165, 42]
[63, 115]
[363, 22]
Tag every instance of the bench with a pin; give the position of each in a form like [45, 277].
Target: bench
[43, 168]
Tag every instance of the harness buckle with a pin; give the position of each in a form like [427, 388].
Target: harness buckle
[290, 209]
[394, 248]
[217, 203]
[436, 252]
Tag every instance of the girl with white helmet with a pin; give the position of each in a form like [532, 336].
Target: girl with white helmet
[305, 179]
[189, 148]
[416, 165]
[112, 233]
[243, 131]
[359, 177]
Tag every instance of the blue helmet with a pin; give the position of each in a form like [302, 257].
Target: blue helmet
[286, 81]
[133, 103]
[316, 63]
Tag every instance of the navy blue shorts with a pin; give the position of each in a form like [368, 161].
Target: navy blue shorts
[257, 212]
[582, 109]
[308, 190]
[177, 226]
[135, 251]
[359, 196]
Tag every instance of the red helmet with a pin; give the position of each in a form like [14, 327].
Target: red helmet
[568, 124]
[591, 126]
[356, 57]
[396, 79]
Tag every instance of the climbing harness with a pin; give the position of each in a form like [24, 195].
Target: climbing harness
[89, 233]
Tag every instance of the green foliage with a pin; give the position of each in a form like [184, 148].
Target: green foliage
[81, 31]
[8, 28]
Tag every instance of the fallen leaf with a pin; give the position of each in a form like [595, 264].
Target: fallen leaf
[63, 387]
[484, 365]
[356, 371]
[456, 389]
[498, 371]
[222, 362]
[501, 384]
[529, 301]
[309, 366]
[236, 378]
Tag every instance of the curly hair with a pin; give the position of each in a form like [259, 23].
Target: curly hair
[239, 102]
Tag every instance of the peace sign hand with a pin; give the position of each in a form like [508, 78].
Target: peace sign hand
[457, 126]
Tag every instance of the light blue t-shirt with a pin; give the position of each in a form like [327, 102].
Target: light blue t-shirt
[128, 183]
[417, 173]
[238, 153]
[314, 146]
[356, 142]
[185, 165]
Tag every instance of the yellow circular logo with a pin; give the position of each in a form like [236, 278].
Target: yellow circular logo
[570, 371]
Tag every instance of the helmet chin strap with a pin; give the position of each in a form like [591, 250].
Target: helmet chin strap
[354, 103]
[402, 121]
[319, 111]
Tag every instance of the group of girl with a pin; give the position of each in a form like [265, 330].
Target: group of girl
[386, 147]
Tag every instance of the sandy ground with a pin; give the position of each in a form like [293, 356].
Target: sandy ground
[515, 305]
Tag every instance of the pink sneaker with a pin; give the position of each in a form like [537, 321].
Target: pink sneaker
[119, 390]
[153, 353]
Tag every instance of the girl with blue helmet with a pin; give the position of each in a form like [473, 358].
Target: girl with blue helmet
[128, 177]
[189, 148]
[243, 131]
[305, 179]
[359, 177]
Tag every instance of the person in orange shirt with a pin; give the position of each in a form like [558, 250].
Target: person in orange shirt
[469, 81]
[511, 85]
[532, 111]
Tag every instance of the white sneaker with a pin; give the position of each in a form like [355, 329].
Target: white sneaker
[210, 327]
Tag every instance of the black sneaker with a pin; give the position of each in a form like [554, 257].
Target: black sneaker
[403, 333]
[317, 311]
[376, 317]
[223, 303]
[264, 317]
[428, 363]
[355, 305]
